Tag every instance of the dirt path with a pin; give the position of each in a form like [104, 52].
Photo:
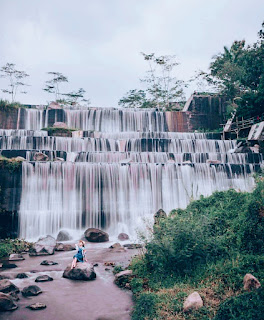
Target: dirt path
[68, 299]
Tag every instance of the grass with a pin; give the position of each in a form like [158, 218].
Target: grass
[8, 246]
[208, 247]
[11, 164]
[5, 105]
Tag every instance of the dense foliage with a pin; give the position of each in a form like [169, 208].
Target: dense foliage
[208, 247]
[238, 73]
[9, 246]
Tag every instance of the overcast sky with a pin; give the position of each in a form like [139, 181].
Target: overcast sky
[97, 43]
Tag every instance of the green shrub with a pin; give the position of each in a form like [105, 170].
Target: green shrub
[146, 305]
[8, 246]
[247, 306]
[136, 285]
[117, 269]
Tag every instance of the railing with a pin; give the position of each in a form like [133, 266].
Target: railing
[242, 124]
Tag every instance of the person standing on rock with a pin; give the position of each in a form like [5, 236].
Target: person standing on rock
[80, 255]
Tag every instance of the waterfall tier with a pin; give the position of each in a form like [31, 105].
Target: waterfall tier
[127, 165]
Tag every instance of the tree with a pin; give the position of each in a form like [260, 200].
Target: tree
[238, 73]
[135, 99]
[162, 87]
[53, 85]
[74, 96]
[16, 79]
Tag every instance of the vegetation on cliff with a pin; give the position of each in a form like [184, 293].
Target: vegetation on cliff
[8, 246]
[11, 164]
[208, 247]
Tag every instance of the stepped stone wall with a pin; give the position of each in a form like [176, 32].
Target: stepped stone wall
[10, 195]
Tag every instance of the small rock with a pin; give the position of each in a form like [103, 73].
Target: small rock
[7, 286]
[107, 269]
[7, 302]
[192, 302]
[3, 277]
[123, 277]
[109, 264]
[16, 257]
[30, 291]
[37, 306]
[117, 247]
[21, 275]
[43, 278]
[213, 161]
[59, 159]
[44, 246]
[133, 246]
[62, 125]
[95, 264]
[39, 156]
[48, 263]
[250, 282]
[123, 236]
[96, 235]
[82, 271]
[63, 235]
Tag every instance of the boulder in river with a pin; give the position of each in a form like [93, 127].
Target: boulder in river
[43, 278]
[39, 156]
[7, 286]
[82, 271]
[48, 263]
[7, 303]
[21, 275]
[192, 302]
[64, 247]
[9, 266]
[16, 257]
[123, 236]
[250, 282]
[96, 235]
[37, 306]
[116, 247]
[30, 291]
[44, 246]
[63, 235]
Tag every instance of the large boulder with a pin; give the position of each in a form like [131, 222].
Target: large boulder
[192, 302]
[16, 257]
[44, 246]
[96, 235]
[160, 214]
[7, 286]
[63, 235]
[39, 156]
[123, 236]
[250, 282]
[6, 302]
[123, 277]
[82, 271]
[31, 291]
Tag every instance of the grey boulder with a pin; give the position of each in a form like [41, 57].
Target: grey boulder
[7, 286]
[6, 302]
[96, 235]
[63, 235]
[30, 291]
[82, 271]
[44, 246]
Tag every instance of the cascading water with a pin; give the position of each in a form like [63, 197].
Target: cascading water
[126, 167]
